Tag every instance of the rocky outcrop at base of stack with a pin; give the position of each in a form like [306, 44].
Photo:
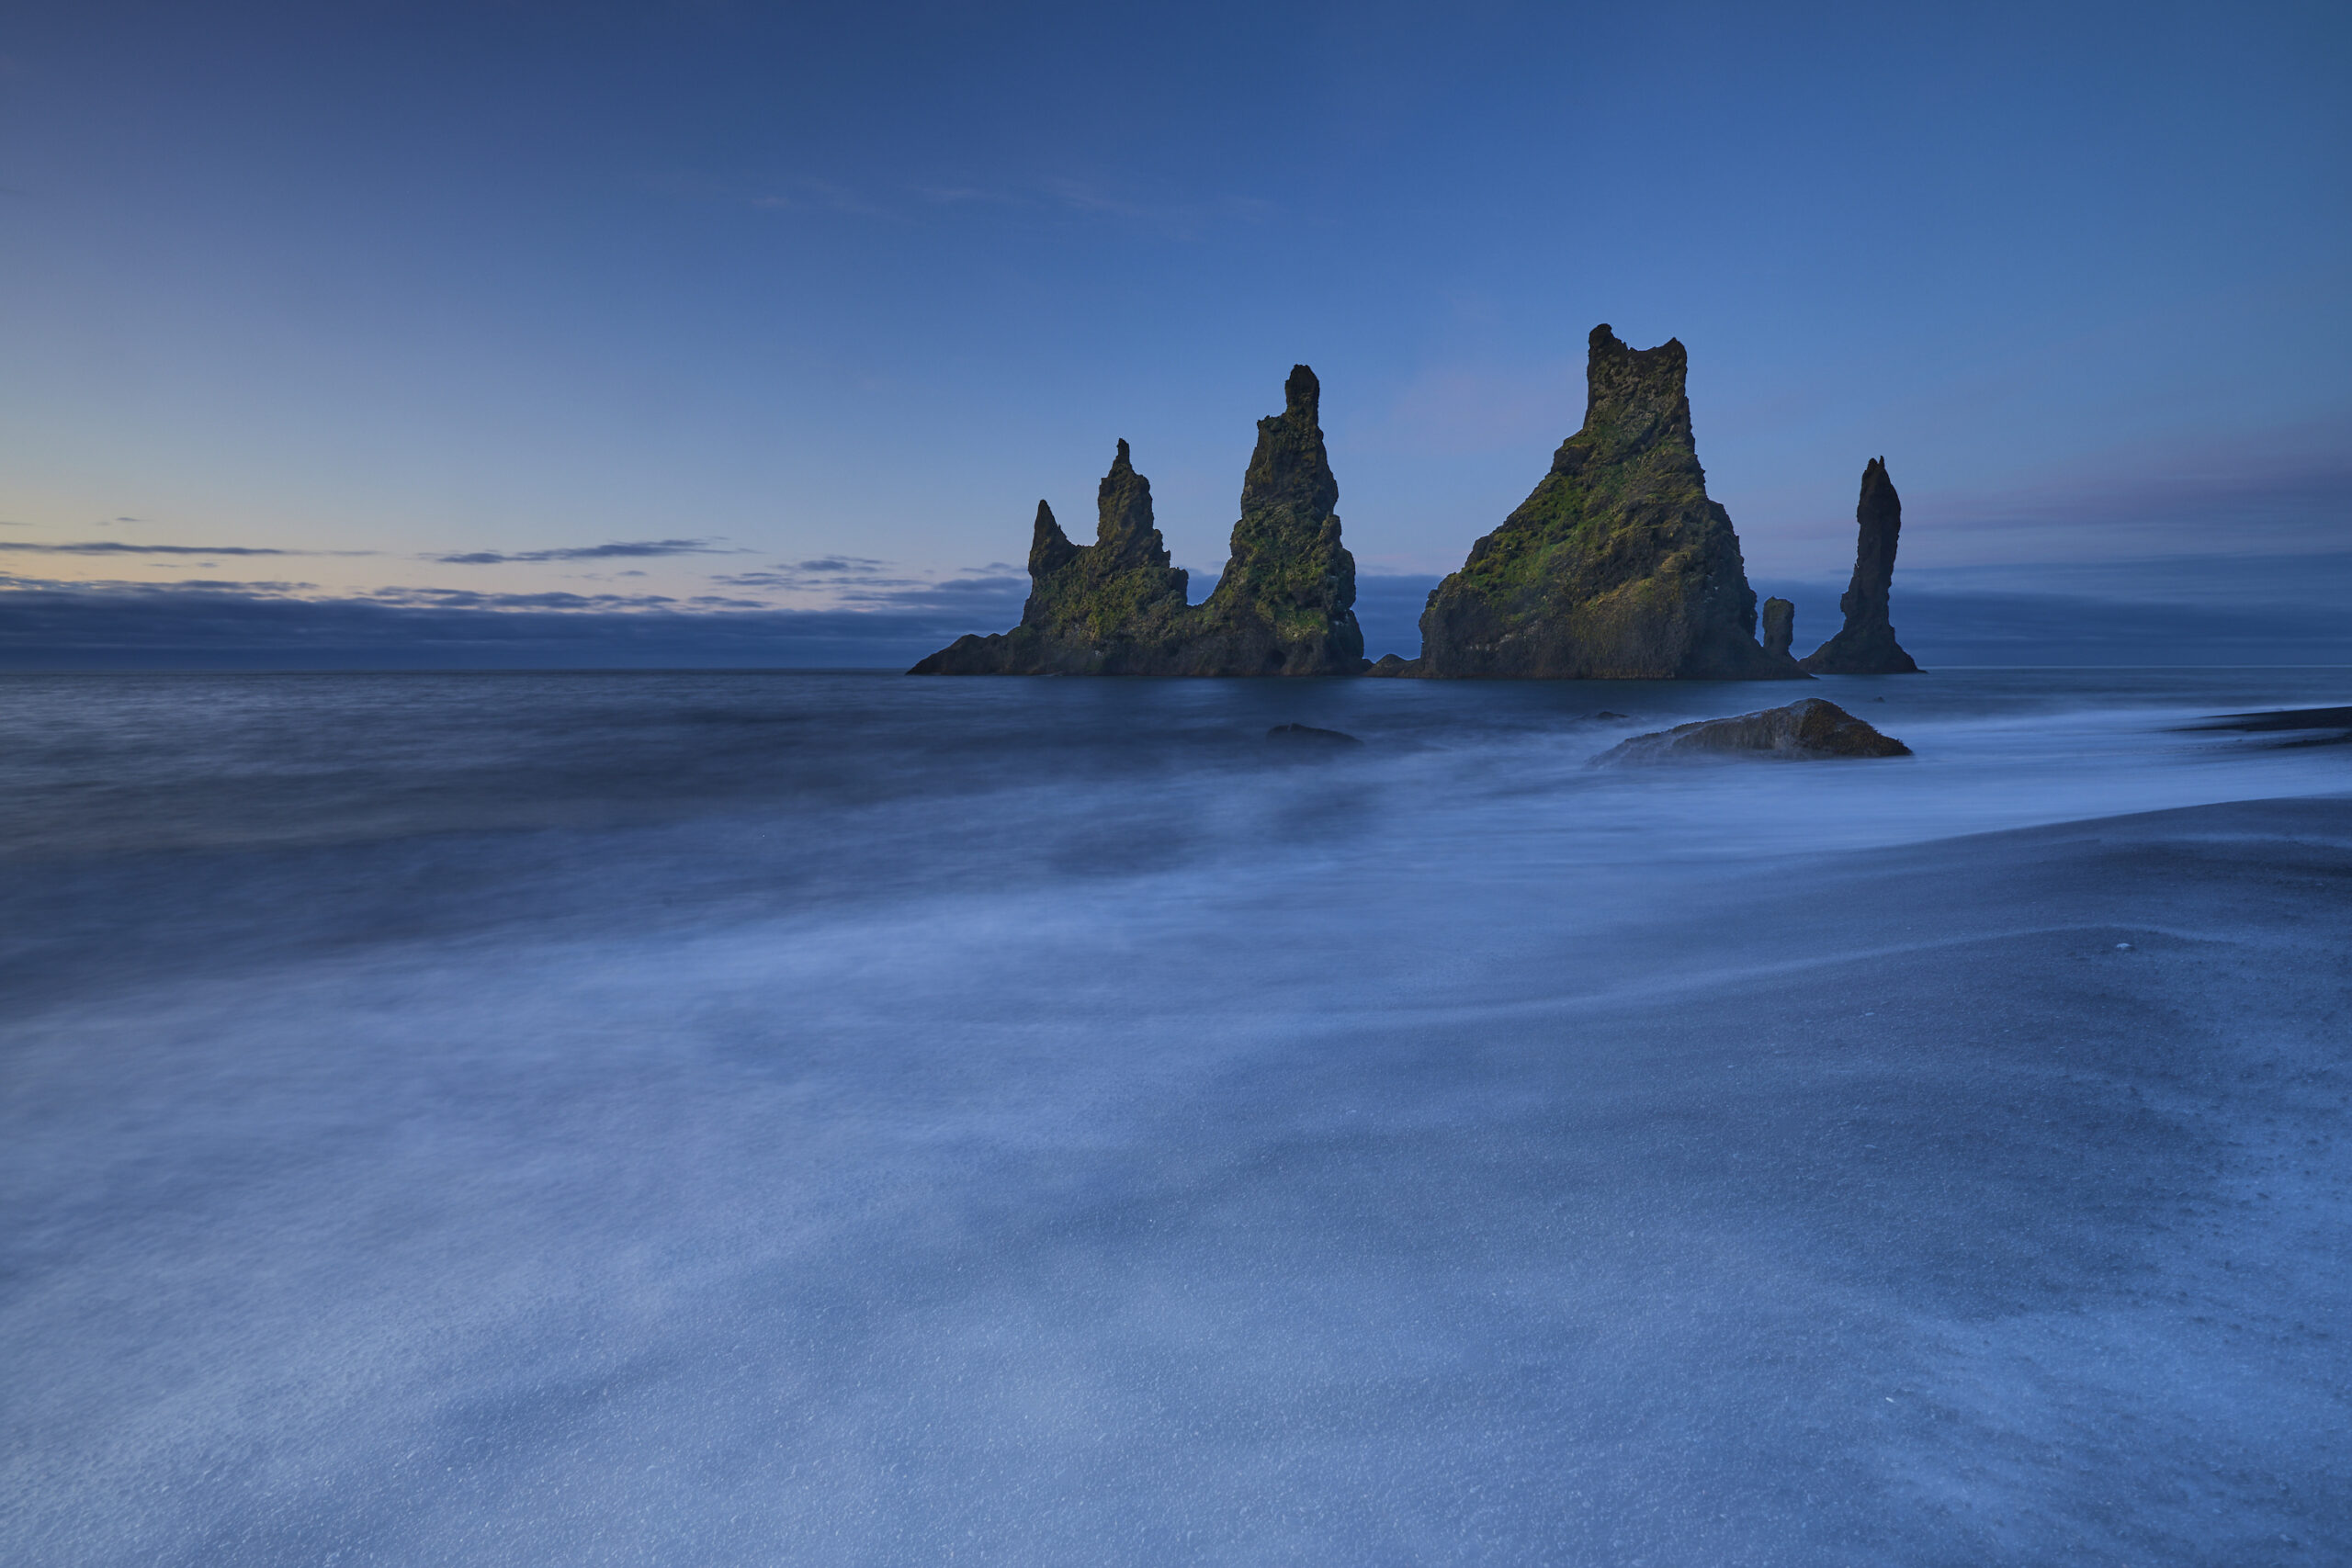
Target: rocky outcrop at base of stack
[1618, 566]
[1866, 645]
[1810, 730]
[1284, 606]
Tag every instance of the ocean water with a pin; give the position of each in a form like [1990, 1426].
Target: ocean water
[846, 1119]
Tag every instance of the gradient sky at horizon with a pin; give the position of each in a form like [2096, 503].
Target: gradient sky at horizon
[845, 290]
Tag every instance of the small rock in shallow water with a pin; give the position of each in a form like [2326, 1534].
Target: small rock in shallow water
[1809, 730]
[1307, 732]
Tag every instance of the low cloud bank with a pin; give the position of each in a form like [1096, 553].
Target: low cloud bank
[2153, 613]
[58, 628]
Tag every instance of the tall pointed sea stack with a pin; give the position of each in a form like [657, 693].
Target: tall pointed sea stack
[1617, 567]
[1284, 606]
[1866, 645]
[1286, 603]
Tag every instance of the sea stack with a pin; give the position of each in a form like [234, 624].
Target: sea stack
[1108, 608]
[1284, 606]
[1618, 566]
[1866, 645]
[1779, 625]
[1285, 603]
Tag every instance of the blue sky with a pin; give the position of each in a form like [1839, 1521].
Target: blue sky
[812, 306]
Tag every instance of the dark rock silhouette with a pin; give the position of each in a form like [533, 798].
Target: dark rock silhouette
[2339, 721]
[1866, 645]
[1779, 625]
[1284, 606]
[1308, 734]
[1810, 729]
[1617, 566]
[1392, 664]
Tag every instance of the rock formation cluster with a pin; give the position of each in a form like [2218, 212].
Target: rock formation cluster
[1865, 645]
[1617, 566]
[1284, 606]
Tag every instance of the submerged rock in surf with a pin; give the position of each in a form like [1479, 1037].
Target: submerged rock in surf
[2309, 725]
[1809, 730]
[1308, 734]
[1865, 645]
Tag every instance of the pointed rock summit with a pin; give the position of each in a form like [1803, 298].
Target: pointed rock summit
[1092, 609]
[1284, 606]
[1285, 603]
[1618, 566]
[1866, 645]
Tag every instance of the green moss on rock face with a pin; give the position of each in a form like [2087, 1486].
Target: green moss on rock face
[1617, 566]
[1282, 606]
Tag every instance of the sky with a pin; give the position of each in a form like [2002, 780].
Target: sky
[791, 314]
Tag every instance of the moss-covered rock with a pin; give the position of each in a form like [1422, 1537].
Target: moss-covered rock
[1284, 606]
[1618, 566]
[1096, 609]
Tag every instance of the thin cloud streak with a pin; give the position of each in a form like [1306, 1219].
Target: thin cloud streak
[118, 548]
[633, 550]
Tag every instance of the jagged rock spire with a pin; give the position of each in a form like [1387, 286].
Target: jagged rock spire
[1866, 645]
[1123, 512]
[1635, 400]
[1290, 466]
[1617, 566]
[1285, 603]
[1049, 548]
[1284, 606]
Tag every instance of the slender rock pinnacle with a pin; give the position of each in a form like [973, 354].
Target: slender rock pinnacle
[1866, 645]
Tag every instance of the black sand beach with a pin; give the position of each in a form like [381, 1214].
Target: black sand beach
[1447, 1153]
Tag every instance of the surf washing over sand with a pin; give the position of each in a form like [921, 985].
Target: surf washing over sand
[744, 1119]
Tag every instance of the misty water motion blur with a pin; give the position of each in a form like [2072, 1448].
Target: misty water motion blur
[752, 1118]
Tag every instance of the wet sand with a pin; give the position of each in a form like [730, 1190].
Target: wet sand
[1894, 1210]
